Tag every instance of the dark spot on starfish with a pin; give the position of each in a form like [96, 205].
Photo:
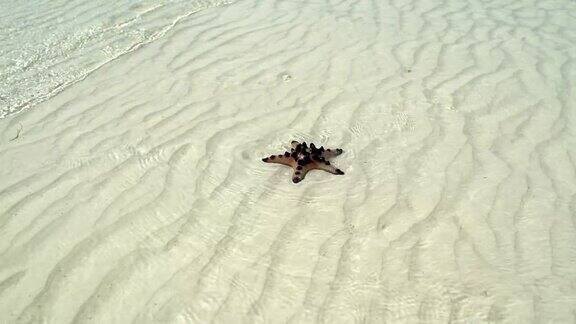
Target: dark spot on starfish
[328, 150]
[299, 167]
[338, 171]
[301, 162]
[296, 180]
[294, 155]
[297, 173]
[272, 157]
[286, 154]
[327, 162]
[339, 151]
[265, 159]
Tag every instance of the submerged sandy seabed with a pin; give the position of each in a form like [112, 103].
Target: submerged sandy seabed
[138, 194]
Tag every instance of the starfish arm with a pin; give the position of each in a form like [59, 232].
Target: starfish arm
[281, 159]
[330, 153]
[326, 166]
[300, 173]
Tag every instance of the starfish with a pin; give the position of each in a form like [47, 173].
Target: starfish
[302, 159]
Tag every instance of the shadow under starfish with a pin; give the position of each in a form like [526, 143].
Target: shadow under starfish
[302, 159]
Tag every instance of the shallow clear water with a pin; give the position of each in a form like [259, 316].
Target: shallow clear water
[47, 45]
[138, 194]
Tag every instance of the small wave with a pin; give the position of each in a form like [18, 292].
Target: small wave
[46, 47]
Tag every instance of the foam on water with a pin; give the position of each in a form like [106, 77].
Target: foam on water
[47, 45]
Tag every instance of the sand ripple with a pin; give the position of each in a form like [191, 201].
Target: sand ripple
[137, 195]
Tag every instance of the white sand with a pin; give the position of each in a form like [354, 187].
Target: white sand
[47, 45]
[138, 194]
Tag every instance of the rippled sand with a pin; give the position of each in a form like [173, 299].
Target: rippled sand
[138, 194]
[48, 45]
